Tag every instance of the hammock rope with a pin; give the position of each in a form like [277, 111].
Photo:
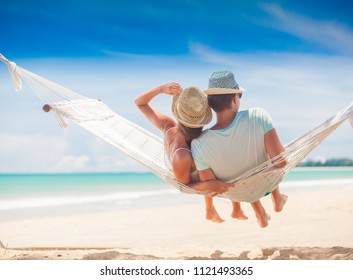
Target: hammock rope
[148, 149]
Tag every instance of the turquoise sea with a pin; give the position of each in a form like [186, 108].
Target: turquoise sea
[39, 195]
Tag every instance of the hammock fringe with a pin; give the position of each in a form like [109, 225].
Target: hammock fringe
[14, 75]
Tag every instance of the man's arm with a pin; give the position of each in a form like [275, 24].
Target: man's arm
[274, 146]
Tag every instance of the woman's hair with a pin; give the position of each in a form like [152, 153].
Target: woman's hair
[220, 102]
[189, 133]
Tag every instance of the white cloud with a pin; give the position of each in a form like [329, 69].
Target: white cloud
[30, 153]
[72, 163]
[328, 33]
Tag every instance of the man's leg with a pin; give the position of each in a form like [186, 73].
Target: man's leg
[260, 213]
[237, 212]
[278, 199]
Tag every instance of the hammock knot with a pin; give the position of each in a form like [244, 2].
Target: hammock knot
[13, 71]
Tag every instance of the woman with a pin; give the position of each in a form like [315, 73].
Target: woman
[191, 109]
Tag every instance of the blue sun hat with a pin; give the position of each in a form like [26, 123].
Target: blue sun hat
[223, 82]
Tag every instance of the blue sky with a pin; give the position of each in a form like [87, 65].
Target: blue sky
[295, 59]
[93, 28]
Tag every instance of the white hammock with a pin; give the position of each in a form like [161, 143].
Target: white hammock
[148, 149]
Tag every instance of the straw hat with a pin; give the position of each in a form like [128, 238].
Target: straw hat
[191, 108]
[222, 82]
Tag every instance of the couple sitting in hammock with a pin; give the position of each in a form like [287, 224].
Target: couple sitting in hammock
[237, 142]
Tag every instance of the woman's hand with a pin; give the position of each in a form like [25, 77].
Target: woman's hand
[171, 88]
[220, 187]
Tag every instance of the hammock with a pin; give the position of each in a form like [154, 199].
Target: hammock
[147, 148]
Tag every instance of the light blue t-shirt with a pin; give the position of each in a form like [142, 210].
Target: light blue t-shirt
[231, 151]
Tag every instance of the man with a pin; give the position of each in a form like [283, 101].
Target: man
[239, 141]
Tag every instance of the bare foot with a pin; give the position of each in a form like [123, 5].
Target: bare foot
[239, 214]
[279, 202]
[212, 215]
[263, 220]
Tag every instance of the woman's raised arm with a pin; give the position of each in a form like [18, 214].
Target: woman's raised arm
[158, 119]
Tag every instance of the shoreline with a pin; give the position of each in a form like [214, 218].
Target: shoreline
[101, 194]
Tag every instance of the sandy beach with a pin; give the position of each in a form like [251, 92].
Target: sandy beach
[313, 225]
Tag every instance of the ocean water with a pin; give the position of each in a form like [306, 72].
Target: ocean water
[40, 195]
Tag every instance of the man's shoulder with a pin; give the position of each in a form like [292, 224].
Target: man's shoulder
[257, 110]
[262, 118]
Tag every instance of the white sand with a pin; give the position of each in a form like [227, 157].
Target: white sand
[313, 225]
